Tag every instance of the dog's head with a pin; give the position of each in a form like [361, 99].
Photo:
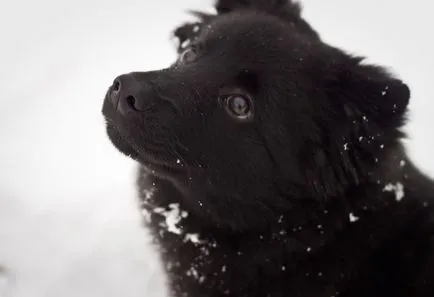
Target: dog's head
[256, 113]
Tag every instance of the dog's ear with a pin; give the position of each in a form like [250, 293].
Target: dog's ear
[373, 94]
[188, 32]
[365, 110]
[185, 34]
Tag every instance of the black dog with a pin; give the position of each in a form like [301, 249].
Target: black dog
[272, 164]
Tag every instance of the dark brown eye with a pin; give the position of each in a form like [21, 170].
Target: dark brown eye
[188, 56]
[239, 106]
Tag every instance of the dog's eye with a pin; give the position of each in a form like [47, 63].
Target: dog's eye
[239, 106]
[189, 55]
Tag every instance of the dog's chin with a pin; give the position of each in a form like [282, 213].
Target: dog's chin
[119, 142]
[161, 164]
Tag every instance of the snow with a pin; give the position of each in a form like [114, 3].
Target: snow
[193, 272]
[69, 220]
[353, 218]
[397, 188]
[173, 216]
[193, 238]
[185, 43]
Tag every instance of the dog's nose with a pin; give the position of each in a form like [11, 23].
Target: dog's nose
[127, 94]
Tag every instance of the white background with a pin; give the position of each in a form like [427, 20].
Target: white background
[69, 224]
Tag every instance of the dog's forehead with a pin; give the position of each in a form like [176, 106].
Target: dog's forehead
[253, 40]
[252, 32]
[250, 25]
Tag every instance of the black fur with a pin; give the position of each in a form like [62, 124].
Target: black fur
[312, 196]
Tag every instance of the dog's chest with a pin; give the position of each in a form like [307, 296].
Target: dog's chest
[193, 260]
[201, 264]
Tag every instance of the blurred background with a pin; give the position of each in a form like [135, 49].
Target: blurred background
[69, 222]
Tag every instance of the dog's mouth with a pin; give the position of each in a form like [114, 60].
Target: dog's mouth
[140, 127]
[159, 158]
[120, 141]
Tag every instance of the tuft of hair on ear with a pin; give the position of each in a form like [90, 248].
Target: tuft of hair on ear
[188, 32]
[373, 93]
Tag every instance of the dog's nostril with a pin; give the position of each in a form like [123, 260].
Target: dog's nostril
[116, 86]
[131, 101]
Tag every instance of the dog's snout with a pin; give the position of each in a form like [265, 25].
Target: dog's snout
[127, 94]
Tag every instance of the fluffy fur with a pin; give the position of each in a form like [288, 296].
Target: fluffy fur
[310, 195]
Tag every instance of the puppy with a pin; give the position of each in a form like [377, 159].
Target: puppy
[271, 163]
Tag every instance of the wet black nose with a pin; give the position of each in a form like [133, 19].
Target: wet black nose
[127, 94]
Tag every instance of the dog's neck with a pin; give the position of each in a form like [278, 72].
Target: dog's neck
[387, 182]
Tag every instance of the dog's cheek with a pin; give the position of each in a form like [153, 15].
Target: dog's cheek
[325, 178]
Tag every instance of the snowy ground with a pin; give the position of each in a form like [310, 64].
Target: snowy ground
[68, 219]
